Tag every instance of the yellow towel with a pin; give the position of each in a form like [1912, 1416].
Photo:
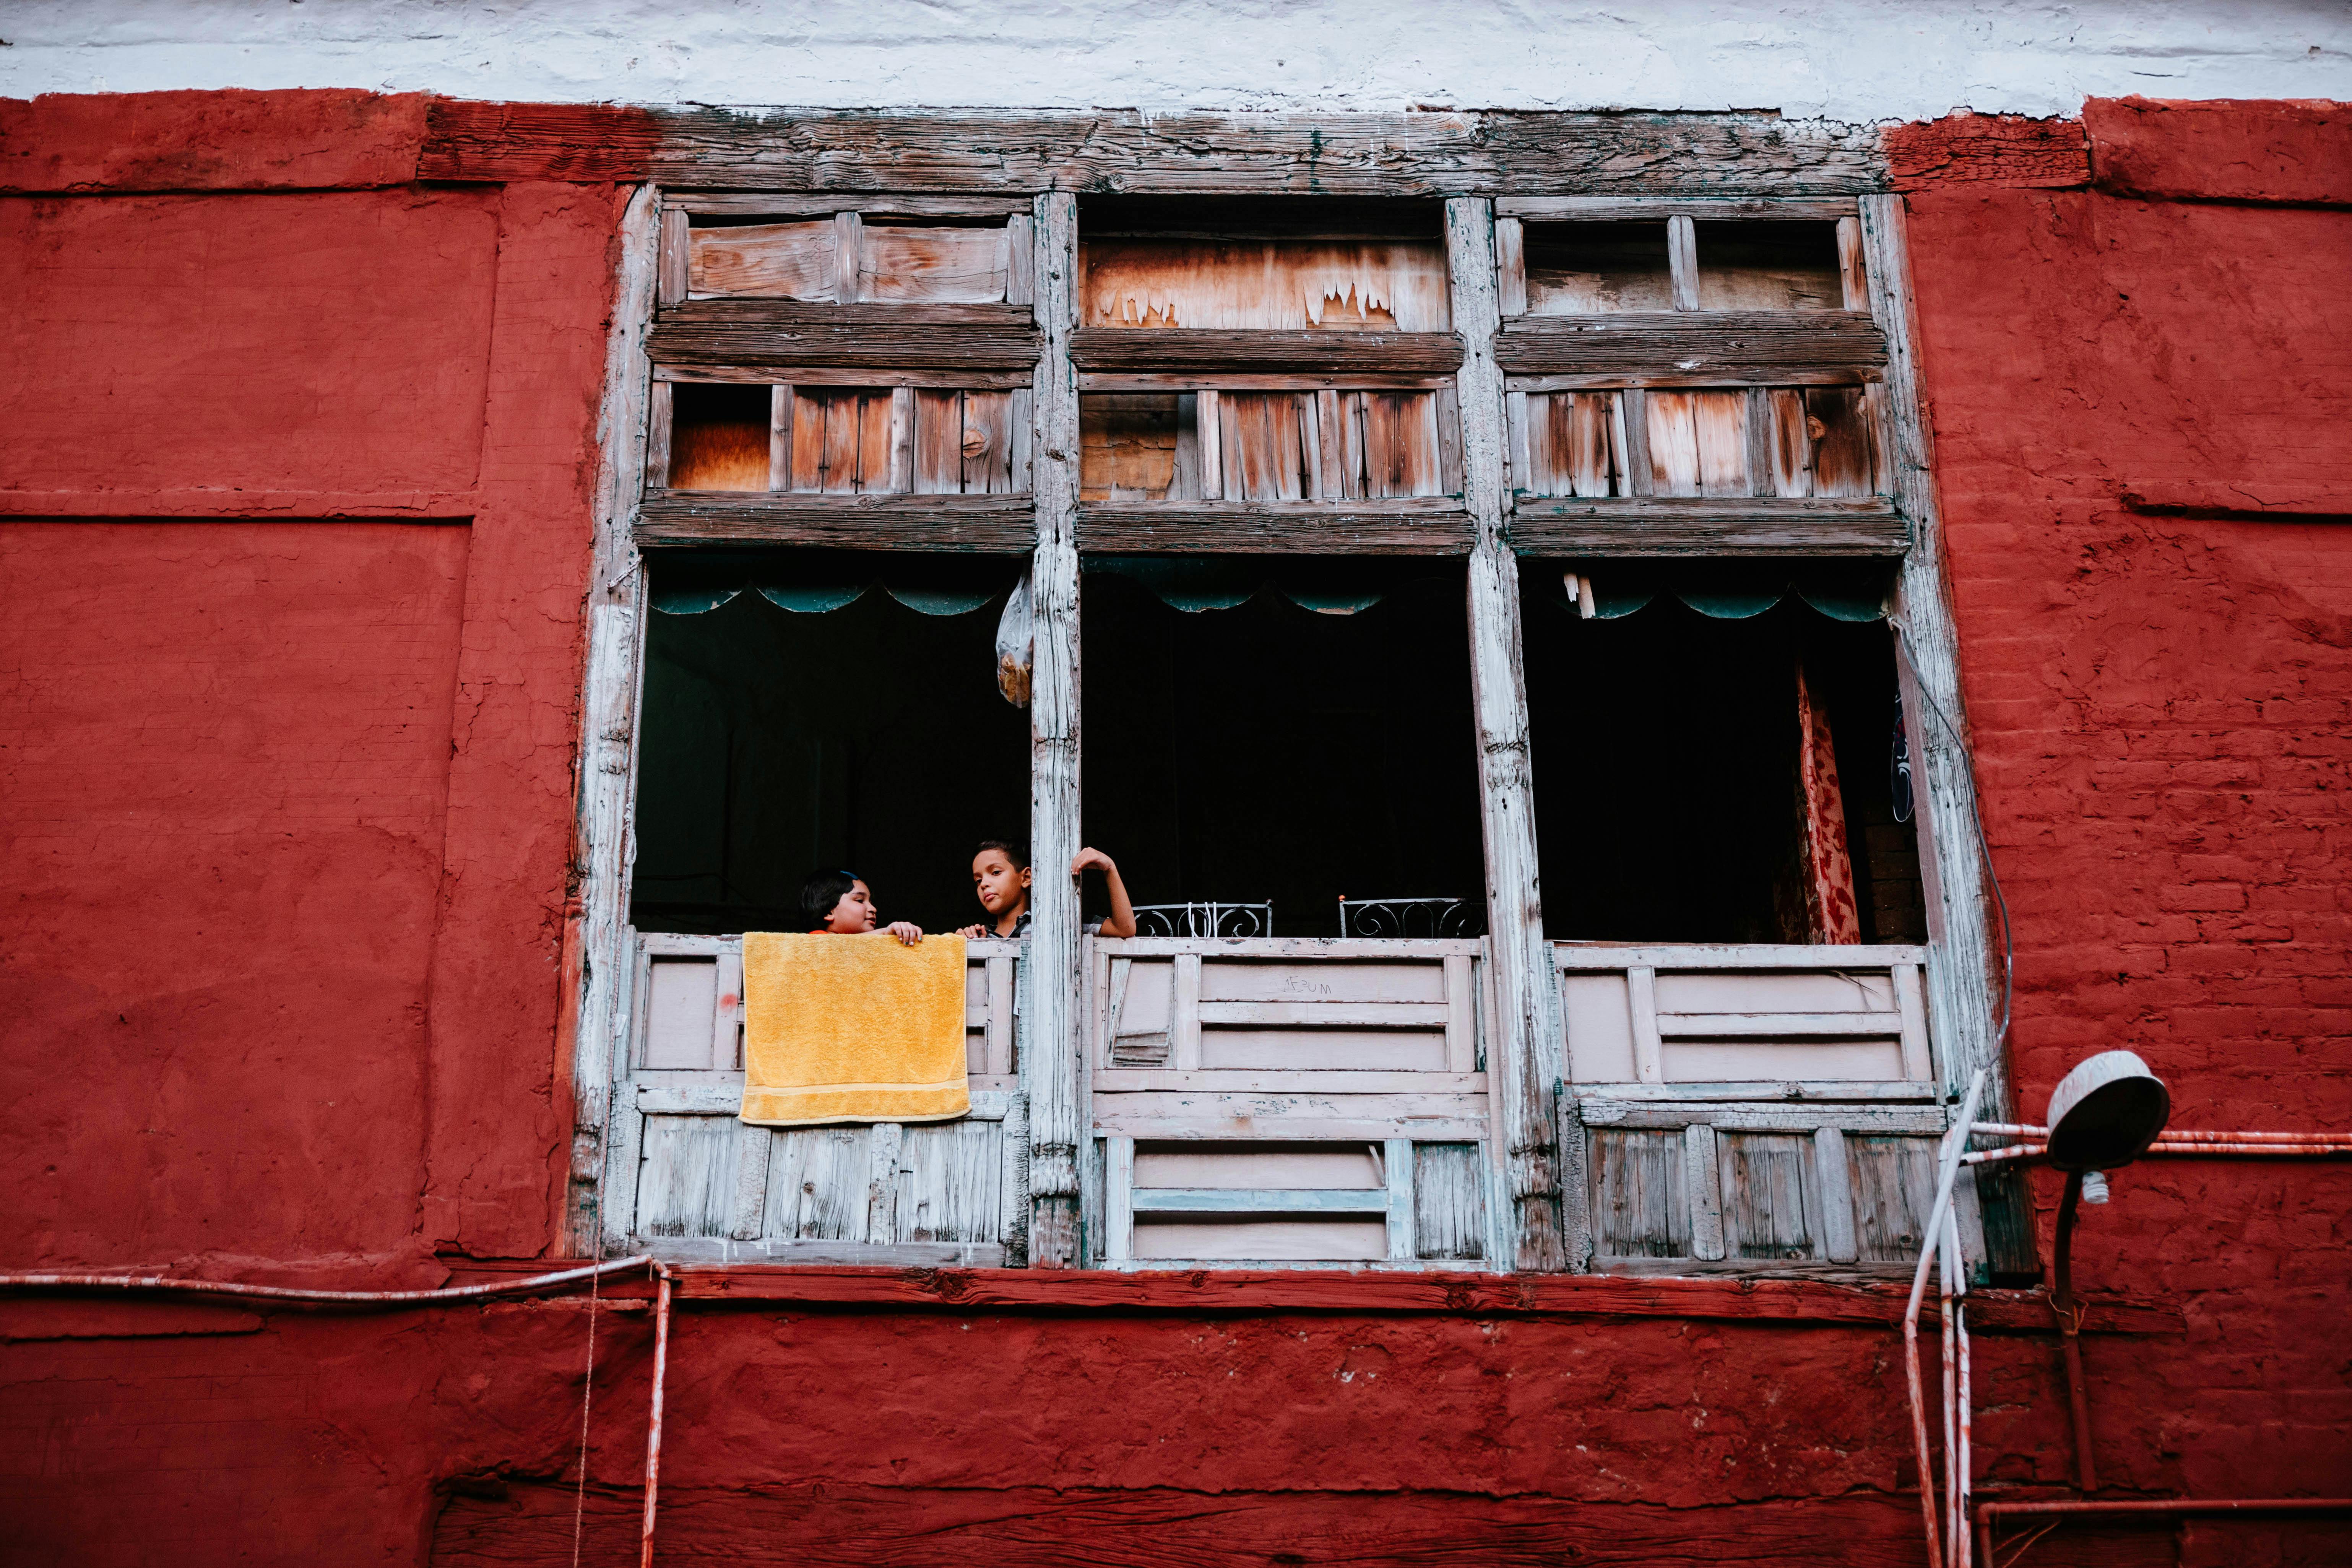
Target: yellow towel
[853, 1028]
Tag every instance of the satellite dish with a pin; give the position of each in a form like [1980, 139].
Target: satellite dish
[2105, 1113]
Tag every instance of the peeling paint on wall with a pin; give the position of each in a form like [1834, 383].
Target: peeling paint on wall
[1874, 59]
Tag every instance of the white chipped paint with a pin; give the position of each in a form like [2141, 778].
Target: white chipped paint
[1857, 61]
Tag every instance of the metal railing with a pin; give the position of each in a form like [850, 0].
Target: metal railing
[1406, 917]
[1204, 919]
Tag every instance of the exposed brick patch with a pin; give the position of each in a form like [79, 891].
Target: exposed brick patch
[578, 142]
[1988, 150]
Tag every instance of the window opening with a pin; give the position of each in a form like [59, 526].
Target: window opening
[807, 709]
[1286, 732]
[1594, 269]
[1682, 775]
[718, 437]
[1768, 266]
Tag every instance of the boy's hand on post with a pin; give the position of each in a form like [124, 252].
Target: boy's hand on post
[971, 931]
[907, 932]
[1091, 859]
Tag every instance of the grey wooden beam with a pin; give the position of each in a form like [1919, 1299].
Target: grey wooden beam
[1051, 1072]
[1527, 1051]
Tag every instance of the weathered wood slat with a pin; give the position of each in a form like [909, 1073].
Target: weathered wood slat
[1052, 1064]
[1395, 949]
[899, 1257]
[1397, 1168]
[1837, 1195]
[1640, 1200]
[1449, 1201]
[1432, 525]
[1771, 1199]
[1548, 1221]
[602, 1189]
[792, 205]
[1207, 352]
[972, 524]
[1232, 1080]
[1427, 153]
[1777, 1026]
[950, 1290]
[1652, 209]
[1259, 1200]
[1329, 1014]
[1710, 343]
[1703, 1176]
[1706, 525]
[1602, 1110]
[1600, 955]
[1429, 1118]
[791, 334]
[948, 1176]
[1769, 1090]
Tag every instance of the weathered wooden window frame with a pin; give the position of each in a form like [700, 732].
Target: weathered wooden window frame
[1521, 161]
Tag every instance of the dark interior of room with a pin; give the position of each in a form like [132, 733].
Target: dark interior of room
[1664, 740]
[870, 737]
[1273, 748]
[1270, 752]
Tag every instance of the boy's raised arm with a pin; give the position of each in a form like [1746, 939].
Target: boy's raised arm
[1121, 920]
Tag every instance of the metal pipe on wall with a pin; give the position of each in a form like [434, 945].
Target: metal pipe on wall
[653, 1418]
[231, 1288]
[1950, 1159]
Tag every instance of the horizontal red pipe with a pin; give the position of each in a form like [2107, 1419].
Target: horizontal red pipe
[284, 1293]
[2026, 1130]
[2037, 1151]
[1992, 1510]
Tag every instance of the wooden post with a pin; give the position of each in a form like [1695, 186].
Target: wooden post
[1050, 1067]
[1397, 1171]
[1963, 974]
[1682, 261]
[1703, 1181]
[1548, 1234]
[597, 943]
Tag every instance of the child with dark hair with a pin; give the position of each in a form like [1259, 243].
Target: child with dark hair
[1000, 876]
[840, 902]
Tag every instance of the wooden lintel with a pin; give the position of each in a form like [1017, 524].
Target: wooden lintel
[1437, 526]
[1206, 353]
[1380, 1293]
[985, 525]
[1699, 344]
[962, 378]
[804, 204]
[1700, 525]
[1710, 374]
[787, 332]
[1644, 209]
[1430, 153]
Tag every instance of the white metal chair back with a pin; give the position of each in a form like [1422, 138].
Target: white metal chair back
[1406, 917]
[1204, 919]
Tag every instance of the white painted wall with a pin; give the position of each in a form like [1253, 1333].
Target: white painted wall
[1856, 61]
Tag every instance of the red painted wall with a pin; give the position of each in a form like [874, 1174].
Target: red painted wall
[294, 505]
